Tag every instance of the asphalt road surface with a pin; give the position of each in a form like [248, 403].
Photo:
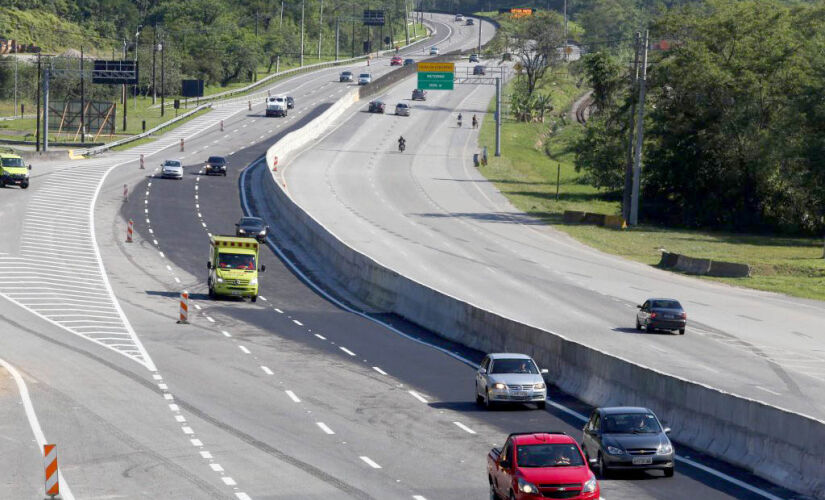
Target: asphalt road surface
[290, 397]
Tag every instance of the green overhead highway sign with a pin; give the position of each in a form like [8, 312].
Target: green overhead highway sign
[432, 80]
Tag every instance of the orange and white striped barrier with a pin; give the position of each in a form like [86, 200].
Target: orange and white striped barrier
[50, 458]
[142, 164]
[125, 193]
[184, 308]
[274, 163]
[181, 143]
[129, 231]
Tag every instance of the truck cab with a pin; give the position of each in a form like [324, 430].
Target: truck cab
[534, 465]
[233, 267]
[13, 171]
[276, 106]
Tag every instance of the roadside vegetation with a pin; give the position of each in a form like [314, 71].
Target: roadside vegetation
[714, 105]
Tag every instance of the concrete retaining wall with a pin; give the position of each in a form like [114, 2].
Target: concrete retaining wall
[690, 265]
[779, 445]
[704, 267]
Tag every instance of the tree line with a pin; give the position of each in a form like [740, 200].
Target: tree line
[734, 126]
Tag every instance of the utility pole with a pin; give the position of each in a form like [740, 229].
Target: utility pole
[302, 32]
[281, 25]
[628, 171]
[134, 87]
[46, 110]
[15, 87]
[162, 47]
[637, 168]
[123, 90]
[154, 64]
[498, 116]
[82, 100]
[337, 35]
[480, 22]
[320, 29]
[37, 92]
[565, 31]
[407, 21]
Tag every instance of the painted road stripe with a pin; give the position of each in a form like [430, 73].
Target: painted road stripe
[297, 322]
[379, 370]
[228, 481]
[320, 336]
[346, 350]
[244, 349]
[370, 462]
[418, 396]
[419, 497]
[266, 370]
[225, 333]
[196, 442]
[216, 467]
[208, 317]
[242, 496]
[324, 427]
[292, 396]
[464, 427]
[206, 454]
[187, 430]
[278, 311]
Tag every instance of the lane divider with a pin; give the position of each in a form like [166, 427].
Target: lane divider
[50, 458]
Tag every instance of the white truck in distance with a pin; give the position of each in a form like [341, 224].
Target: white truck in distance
[276, 106]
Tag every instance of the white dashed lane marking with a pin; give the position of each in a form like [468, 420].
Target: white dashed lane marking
[418, 396]
[370, 462]
[464, 427]
[266, 370]
[244, 349]
[324, 427]
[346, 351]
[379, 370]
[292, 396]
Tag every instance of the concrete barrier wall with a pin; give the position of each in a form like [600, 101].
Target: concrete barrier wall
[690, 265]
[781, 446]
[704, 267]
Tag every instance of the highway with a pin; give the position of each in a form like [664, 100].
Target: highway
[431, 216]
[292, 396]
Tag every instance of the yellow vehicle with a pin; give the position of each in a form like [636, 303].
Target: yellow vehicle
[13, 171]
[233, 267]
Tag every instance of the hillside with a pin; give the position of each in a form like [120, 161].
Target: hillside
[46, 30]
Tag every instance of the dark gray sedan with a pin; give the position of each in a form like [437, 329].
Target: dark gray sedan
[661, 314]
[252, 227]
[627, 438]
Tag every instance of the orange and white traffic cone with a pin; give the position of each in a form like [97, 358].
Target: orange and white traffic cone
[129, 231]
[184, 308]
[50, 459]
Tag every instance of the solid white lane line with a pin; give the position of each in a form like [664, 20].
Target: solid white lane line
[320, 336]
[464, 427]
[34, 424]
[768, 390]
[292, 396]
[346, 350]
[324, 427]
[418, 396]
[297, 322]
[370, 462]
[266, 370]
[244, 349]
[379, 370]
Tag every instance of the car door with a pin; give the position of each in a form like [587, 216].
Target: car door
[481, 376]
[501, 479]
[591, 435]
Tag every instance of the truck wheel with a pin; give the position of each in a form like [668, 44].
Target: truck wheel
[681, 331]
[254, 298]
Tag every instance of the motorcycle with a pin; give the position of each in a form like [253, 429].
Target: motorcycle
[402, 146]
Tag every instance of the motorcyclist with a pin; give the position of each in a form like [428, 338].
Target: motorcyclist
[402, 143]
[459, 119]
[475, 122]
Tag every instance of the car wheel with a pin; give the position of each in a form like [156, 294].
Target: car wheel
[603, 470]
[224, 173]
[681, 331]
[493, 494]
[669, 472]
[487, 403]
[254, 298]
[479, 399]
[638, 325]
[24, 185]
[649, 329]
[541, 405]
[512, 496]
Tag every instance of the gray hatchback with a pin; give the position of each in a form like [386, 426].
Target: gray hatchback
[661, 314]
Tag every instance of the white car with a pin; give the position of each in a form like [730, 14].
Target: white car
[402, 109]
[364, 78]
[459, 17]
[277, 105]
[510, 378]
[172, 169]
[433, 51]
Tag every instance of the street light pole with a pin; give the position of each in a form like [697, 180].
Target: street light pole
[640, 126]
[154, 63]
[162, 47]
[302, 32]
[82, 100]
[320, 29]
[134, 87]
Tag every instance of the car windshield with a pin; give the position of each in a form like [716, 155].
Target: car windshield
[12, 162]
[216, 159]
[631, 423]
[236, 261]
[364, 75]
[251, 222]
[665, 304]
[549, 455]
[172, 164]
[514, 366]
[346, 73]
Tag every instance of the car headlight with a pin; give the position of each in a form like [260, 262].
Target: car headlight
[219, 280]
[253, 281]
[590, 485]
[241, 231]
[665, 449]
[499, 386]
[614, 451]
[525, 487]
[539, 386]
[262, 232]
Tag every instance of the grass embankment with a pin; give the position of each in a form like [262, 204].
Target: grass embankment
[526, 174]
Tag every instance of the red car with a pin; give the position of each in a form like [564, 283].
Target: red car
[534, 465]
[396, 61]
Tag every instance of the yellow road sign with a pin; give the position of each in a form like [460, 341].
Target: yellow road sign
[436, 67]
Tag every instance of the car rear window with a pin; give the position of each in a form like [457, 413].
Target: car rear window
[514, 366]
[665, 304]
[549, 455]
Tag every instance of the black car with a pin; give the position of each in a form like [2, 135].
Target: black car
[252, 227]
[377, 107]
[290, 102]
[215, 165]
[407, 62]
[627, 438]
[419, 95]
[661, 314]
[469, 22]
[479, 70]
